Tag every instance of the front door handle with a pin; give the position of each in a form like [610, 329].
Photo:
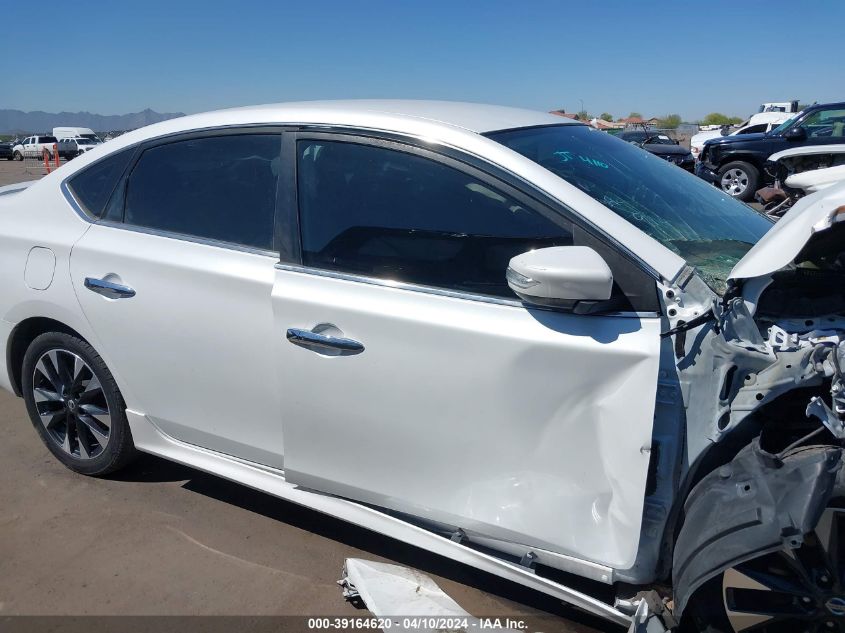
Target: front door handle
[316, 341]
[109, 289]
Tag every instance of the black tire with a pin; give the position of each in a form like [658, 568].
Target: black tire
[743, 177]
[707, 609]
[17, 156]
[119, 448]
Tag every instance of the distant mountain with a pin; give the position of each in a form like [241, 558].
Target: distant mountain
[16, 121]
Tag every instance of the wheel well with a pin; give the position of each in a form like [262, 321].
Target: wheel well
[22, 336]
[742, 158]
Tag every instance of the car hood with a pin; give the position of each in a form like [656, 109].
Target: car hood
[666, 150]
[808, 150]
[739, 138]
[782, 244]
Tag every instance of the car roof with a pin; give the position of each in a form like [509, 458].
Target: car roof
[475, 117]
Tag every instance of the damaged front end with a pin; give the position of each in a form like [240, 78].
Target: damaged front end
[761, 371]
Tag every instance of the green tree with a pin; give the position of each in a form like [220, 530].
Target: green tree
[605, 116]
[583, 116]
[717, 118]
[635, 115]
[670, 121]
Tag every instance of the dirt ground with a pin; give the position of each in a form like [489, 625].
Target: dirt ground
[161, 539]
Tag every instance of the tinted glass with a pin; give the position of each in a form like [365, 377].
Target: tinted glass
[393, 215]
[708, 228]
[94, 185]
[753, 129]
[221, 188]
[47, 139]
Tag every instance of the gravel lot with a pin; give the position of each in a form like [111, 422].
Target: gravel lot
[163, 539]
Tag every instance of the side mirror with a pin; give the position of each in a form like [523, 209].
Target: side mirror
[560, 276]
[796, 133]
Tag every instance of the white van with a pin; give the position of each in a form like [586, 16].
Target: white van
[76, 132]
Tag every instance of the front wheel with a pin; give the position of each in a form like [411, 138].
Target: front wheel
[75, 405]
[788, 591]
[18, 156]
[739, 180]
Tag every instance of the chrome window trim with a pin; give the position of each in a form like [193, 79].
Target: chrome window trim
[67, 192]
[182, 237]
[441, 292]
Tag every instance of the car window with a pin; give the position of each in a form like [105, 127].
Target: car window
[697, 221]
[93, 186]
[825, 123]
[221, 188]
[394, 215]
[754, 129]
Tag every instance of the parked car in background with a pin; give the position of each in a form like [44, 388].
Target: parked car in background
[35, 146]
[736, 164]
[6, 150]
[611, 361]
[757, 124]
[72, 147]
[660, 144]
[76, 132]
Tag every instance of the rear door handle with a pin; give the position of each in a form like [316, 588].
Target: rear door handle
[109, 289]
[316, 341]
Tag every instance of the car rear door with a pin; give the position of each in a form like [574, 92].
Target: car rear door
[412, 379]
[176, 281]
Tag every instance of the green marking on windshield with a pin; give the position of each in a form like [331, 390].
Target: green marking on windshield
[566, 156]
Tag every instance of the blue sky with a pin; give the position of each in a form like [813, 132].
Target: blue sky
[654, 57]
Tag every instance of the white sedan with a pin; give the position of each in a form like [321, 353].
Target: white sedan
[498, 335]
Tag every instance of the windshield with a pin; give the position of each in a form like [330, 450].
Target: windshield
[708, 228]
[780, 128]
[660, 139]
[85, 141]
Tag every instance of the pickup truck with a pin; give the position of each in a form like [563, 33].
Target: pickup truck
[33, 147]
[73, 147]
[736, 164]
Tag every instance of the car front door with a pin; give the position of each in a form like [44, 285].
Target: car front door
[412, 378]
[176, 283]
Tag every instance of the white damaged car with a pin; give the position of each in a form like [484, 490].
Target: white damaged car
[500, 336]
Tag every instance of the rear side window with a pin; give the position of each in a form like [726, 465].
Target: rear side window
[221, 188]
[754, 129]
[394, 215]
[93, 186]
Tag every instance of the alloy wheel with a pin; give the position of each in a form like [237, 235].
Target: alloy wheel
[792, 591]
[734, 181]
[71, 404]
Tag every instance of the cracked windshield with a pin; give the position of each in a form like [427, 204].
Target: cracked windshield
[691, 217]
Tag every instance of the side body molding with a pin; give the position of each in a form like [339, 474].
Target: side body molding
[751, 506]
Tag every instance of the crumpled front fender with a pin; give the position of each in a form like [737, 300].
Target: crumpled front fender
[754, 505]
